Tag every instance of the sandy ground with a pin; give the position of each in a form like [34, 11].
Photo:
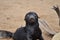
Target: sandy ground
[12, 14]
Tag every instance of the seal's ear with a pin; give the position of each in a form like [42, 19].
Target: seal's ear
[25, 19]
[38, 17]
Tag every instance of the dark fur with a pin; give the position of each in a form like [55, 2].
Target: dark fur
[31, 31]
[5, 34]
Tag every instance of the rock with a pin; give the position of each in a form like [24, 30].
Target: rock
[56, 36]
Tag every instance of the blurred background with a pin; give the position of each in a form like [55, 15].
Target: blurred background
[12, 14]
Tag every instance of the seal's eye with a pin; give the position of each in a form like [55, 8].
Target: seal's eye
[27, 15]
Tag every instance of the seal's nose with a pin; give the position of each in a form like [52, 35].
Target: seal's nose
[31, 20]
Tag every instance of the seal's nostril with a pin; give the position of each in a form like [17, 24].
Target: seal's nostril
[31, 20]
